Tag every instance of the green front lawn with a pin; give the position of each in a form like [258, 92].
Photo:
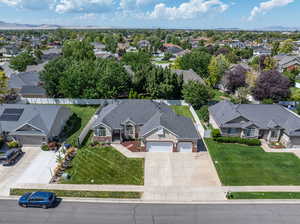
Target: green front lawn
[95, 165]
[263, 195]
[240, 165]
[79, 119]
[183, 110]
[82, 194]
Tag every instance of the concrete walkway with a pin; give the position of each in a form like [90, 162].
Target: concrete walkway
[126, 152]
[266, 148]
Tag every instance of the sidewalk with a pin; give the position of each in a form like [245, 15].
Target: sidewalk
[261, 188]
[82, 187]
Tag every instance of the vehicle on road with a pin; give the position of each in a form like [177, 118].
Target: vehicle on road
[37, 199]
[11, 156]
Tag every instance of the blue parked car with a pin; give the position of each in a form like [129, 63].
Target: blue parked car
[37, 199]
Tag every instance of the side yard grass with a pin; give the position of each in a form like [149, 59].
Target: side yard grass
[104, 165]
[240, 165]
[183, 110]
[263, 195]
[79, 119]
[82, 194]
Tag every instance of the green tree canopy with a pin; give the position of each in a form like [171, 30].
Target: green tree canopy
[196, 94]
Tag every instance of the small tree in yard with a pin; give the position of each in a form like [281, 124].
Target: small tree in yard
[196, 94]
[271, 85]
[235, 78]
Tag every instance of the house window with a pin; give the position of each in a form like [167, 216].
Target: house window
[232, 131]
[101, 132]
[274, 134]
[250, 132]
[129, 129]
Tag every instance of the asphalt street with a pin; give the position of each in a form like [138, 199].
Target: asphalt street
[96, 213]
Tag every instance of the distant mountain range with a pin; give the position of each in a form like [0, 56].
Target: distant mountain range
[11, 26]
[14, 26]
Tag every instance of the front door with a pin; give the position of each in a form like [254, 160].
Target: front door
[116, 136]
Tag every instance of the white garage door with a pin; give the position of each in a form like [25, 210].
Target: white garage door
[185, 147]
[30, 140]
[159, 147]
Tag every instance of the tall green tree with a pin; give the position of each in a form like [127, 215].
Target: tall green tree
[217, 67]
[197, 60]
[286, 46]
[21, 61]
[196, 94]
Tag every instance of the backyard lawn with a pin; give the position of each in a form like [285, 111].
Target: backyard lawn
[81, 116]
[105, 165]
[240, 165]
[183, 110]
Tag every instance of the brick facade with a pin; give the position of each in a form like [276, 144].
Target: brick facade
[102, 139]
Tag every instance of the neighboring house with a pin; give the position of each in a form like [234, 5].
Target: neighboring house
[271, 122]
[7, 70]
[189, 75]
[33, 92]
[155, 125]
[32, 124]
[98, 46]
[26, 83]
[143, 44]
[287, 62]
[172, 48]
[261, 51]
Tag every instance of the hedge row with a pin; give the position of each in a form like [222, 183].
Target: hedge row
[245, 141]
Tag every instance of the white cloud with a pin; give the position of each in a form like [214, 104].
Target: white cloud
[27, 4]
[133, 4]
[63, 6]
[187, 10]
[88, 16]
[264, 7]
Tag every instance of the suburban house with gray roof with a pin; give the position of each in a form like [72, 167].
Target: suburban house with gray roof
[32, 124]
[155, 125]
[189, 75]
[271, 122]
[287, 62]
[27, 84]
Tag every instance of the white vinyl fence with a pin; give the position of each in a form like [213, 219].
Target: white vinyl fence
[89, 101]
[86, 130]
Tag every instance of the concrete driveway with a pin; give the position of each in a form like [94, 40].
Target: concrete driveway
[181, 177]
[33, 167]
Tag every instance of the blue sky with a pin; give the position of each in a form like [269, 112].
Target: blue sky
[154, 13]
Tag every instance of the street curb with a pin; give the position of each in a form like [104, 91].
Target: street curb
[139, 201]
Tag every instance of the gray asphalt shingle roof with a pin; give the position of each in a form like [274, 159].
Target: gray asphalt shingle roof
[17, 81]
[42, 117]
[265, 116]
[189, 75]
[33, 90]
[150, 115]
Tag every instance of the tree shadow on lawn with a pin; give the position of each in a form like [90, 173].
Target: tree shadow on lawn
[72, 126]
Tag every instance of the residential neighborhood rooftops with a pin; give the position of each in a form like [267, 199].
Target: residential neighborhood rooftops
[33, 90]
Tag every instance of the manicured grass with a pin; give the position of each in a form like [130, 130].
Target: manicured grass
[263, 195]
[81, 116]
[105, 165]
[183, 110]
[82, 194]
[219, 96]
[240, 165]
